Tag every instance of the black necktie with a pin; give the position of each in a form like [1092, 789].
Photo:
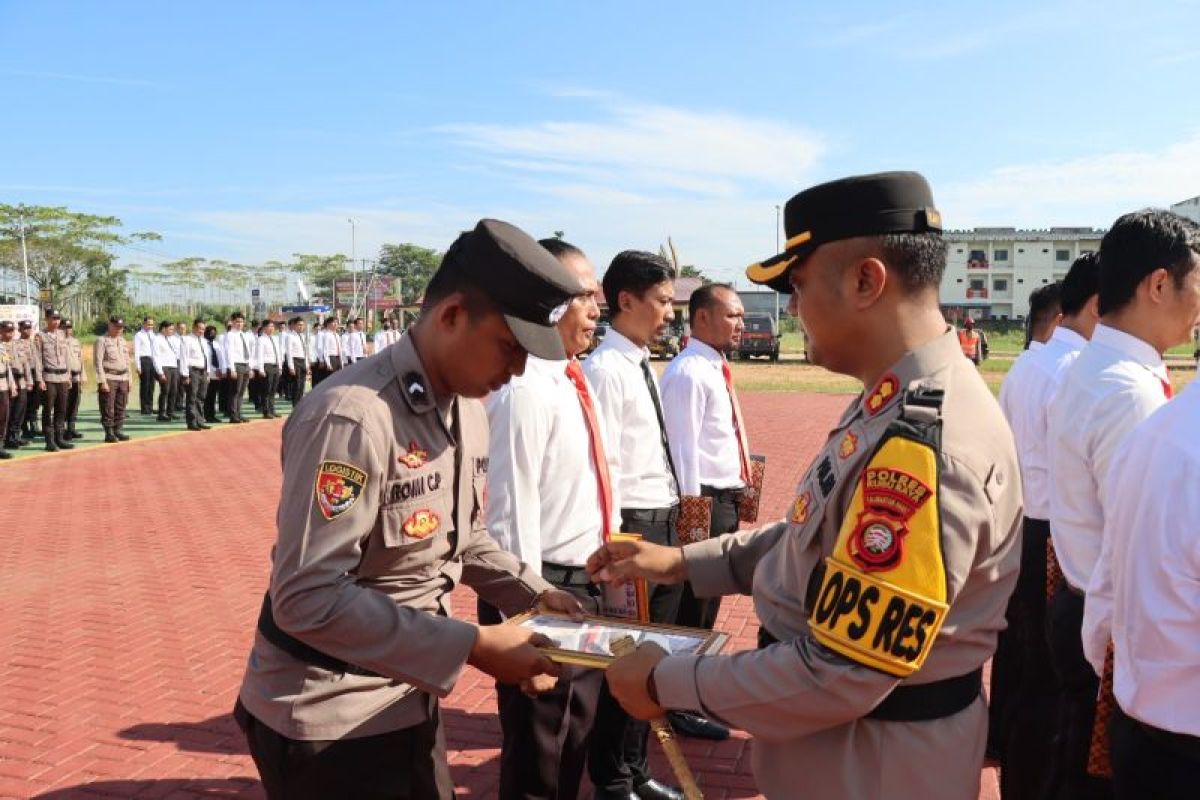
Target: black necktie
[662, 427]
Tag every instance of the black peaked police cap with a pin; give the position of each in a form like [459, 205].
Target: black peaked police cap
[862, 205]
[530, 286]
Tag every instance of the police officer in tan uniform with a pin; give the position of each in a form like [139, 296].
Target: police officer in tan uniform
[51, 354]
[78, 378]
[20, 425]
[8, 381]
[882, 592]
[110, 354]
[381, 516]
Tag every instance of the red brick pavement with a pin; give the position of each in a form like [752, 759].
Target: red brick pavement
[130, 583]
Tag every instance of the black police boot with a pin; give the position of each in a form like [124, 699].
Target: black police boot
[109, 436]
[51, 445]
[60, 438]
[5, 455]
[72, 433]
[27, 431]
[13, 443]
[120, 434]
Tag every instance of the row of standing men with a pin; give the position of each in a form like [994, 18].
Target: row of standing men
[39, 370]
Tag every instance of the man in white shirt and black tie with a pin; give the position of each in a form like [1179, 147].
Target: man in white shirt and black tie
[143, 360]
[166, 367]
[236, 346]
[1021, 734]
[708, 441]
[328, 351]
[267, 361]
[356, 340]
[1146, 263]
[195, 365]
[296, 359]
[638, 287]
[1151, 505]
[550, 502]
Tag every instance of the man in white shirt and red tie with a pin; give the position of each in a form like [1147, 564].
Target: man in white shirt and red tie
[1021, 734]
[1148, 261]
[1151, 505]
[639, 290]
[708, 442]
[550, 503]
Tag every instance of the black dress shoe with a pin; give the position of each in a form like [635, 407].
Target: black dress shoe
[193, 427]
[651, 789]
[203, 427]
[697, 727]
[5, 455]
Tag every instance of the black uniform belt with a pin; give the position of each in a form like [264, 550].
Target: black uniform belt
[921, 702]
[75, 372]
[298, 649]
[650, 514]
[722, 494]
[565, 576]
[108, 373]
[49, 371]
[1181, 744]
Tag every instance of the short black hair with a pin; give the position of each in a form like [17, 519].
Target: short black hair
[329, 321]
[147, 319]
[1045, 303]
[236, 315]
[166, 323]
[633, 271]
[559, 249]
[293, 321]
[197, 321]
[705, 297]
[920, 258]
[1081, 283]
[210, 332]
[1139, 243]
[451, 277]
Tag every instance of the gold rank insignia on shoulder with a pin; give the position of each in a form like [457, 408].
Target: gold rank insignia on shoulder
[882, 599]
[338, 487]
[885, 391]
[802, 508]
[848, 446]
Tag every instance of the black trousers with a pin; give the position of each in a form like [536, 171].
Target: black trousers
[112, 403]
[408, 764]
[1147, 764]
[33, 403]
[695, 612]
[196, 390]
[212, 392]
[168, 392]
[320, 372]
[146, 384]
[73, 402]
[237, 388]
[296, 386]
[545, 738]
[54, 407]
[617, 753]
[1077, 685]
[5, 404]
[270, 387]
[1023, 708]
[16, 415]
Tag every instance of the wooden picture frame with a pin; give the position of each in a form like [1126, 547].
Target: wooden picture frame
[585, 643]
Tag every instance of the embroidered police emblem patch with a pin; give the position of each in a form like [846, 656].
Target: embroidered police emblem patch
[848, 446]
[415, 456]
[338, 487]
[802, 508]
[421, 524]
[890, 498]
[883, 394]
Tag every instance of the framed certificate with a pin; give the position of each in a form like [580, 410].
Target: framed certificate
[630, 600]
[587, 643]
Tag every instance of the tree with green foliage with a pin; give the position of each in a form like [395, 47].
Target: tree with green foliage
[412, 264]
[320, 271]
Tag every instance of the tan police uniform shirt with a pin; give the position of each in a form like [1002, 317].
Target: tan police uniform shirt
[50, 352]
[75, 360]
[381, 516]
[23, 361]
[7, 380]
[111, 357]
[805, 703]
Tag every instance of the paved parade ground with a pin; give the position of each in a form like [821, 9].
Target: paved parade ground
[131, 576]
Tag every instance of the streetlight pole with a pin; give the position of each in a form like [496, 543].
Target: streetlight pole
[24, 251]
[353, 265]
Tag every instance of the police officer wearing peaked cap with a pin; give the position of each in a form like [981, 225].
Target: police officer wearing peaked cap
[381, 516]
[882, 591]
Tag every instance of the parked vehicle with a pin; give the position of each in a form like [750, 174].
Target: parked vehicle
[760, 338]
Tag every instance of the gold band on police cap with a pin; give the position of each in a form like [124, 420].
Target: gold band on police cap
[761, 274]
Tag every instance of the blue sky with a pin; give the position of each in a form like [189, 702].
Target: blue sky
[249, 131]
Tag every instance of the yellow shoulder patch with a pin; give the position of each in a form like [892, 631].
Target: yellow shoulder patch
[883, 596]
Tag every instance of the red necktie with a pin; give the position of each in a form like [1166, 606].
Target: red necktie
[739, 426]
[1168, 390]
[603, 481]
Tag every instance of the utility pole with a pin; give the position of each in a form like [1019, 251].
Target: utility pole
[353, 267]
[24, 251]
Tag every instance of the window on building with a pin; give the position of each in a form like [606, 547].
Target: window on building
[1045, 249]
[1000, 284]
[1001, 255]
[1062, 255]
[976, 283]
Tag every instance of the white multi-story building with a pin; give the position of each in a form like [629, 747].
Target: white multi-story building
[1188, 208]
[990, 272]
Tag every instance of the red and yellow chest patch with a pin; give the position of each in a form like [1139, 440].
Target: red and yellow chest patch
[338, 487]
[421, 524]
[884, 392]
[890, 498]
[802, 508]
[415, 456]
[848, 446]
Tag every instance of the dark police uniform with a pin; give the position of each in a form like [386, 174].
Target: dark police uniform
[356, 642]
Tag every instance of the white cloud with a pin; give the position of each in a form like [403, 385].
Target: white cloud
[1092, 190]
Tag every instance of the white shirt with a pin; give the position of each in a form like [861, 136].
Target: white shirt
[293, 348]
[543, 495]
[623, 402]
[218, 353]
[328, 346]
[356, 345]
[166, 354]
[194, 354]
[386, 338]
[143, 345]
[1025, 399]
[1115, 383]
[1151, 507]
[266, 352]
[236, 345]
[699, 416]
